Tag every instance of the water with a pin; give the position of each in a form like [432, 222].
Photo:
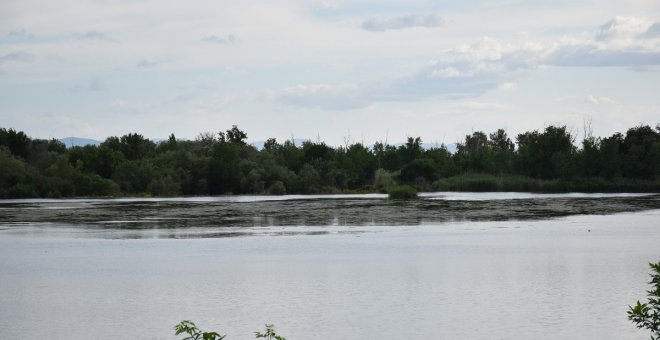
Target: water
[449, 266]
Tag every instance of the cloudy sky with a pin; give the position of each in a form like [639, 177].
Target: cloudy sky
[338, 70]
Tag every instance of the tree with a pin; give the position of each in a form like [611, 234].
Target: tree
[476, 153]
[17, 142]
[610, 156]
[647, 315]
[233, 135]
[224, 172]
[641, 152]
[547, 155]
[134, 146]
[502, 151]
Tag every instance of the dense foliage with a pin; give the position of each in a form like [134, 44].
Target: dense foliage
[223, 163]
[189, 328]
[647, 315]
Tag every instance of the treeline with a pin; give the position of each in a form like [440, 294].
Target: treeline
[223, 163]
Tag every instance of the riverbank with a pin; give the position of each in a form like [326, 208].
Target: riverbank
[493, 183]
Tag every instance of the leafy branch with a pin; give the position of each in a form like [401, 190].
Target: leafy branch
[189, 328]
[647, 315]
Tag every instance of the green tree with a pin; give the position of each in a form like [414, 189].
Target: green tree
[224, 170]
[17, 142]
[641, 152]
[134, 146]
[15, 176]
[611, 156]
[134, 176]
[547, 155]
[503, 148]
[647, 315]
[233, 135]
[475, 154]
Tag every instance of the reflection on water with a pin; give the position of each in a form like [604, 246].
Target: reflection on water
[543, 279]
[228, 216]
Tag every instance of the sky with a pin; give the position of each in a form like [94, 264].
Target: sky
[339, 71]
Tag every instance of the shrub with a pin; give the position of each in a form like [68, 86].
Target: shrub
[189, 328]
[277, 188]
[647, 315]
[402, 192]
[194, 333]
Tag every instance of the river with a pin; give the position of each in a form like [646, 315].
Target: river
[445, 266]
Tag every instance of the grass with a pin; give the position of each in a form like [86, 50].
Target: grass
[486, 183]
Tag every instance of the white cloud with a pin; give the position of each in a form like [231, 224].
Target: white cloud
[215, 39]
[622, 41]
[482, 106]
[128, 105]
[598, 100]
[471, 70]
[381, 24]
[507, 86]
[622, 28]
[466, 71]
[331, 97]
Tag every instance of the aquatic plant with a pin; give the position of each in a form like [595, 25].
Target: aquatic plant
[647, 315]
[402, 192]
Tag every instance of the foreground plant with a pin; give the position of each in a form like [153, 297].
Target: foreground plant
[194, 333]
[270, 334]
[188, 327]
[647, 315]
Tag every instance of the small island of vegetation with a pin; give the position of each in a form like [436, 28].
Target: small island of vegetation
[223, 163]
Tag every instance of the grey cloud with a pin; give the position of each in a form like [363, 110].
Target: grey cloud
[229, 39]
[95, 35]
[589, 55]
[96, 85]
[622, 41]
[144, 63]
[379, 24]
[472, 70]
[17, 56]
[18, 36]
[653, 31]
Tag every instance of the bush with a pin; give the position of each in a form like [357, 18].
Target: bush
[194, 333]
[277, 188]
[402, 192]
[647, 315]
[189, 328]
[383, 180]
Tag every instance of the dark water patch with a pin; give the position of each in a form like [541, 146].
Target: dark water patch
[188, 218]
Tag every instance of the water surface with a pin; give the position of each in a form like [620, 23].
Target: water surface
[448, 266]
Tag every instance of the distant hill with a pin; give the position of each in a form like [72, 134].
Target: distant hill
[70, 142]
